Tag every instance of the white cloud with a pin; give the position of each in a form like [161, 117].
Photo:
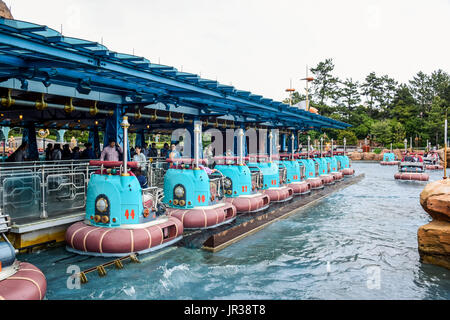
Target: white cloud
[259, 45]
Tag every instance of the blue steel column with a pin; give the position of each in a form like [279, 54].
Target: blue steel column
[275, 141]
[140, 139]
[113, 130]
[29, 136]
[289, 139]
[283, 142]
[5, 132]
[289, 143]
[94, 139]
[61, 134]
[190, 140]
[236, 142]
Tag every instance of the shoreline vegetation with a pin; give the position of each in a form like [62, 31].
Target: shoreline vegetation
[380, 109]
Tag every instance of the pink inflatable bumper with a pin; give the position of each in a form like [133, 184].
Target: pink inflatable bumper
[337, 176]
[348, 171]
[250, 204]
[411, 176]
[28, 283]
[315, 183]
[202, 218]
[300, 187]
[327, 179]
[279, 194]
[389, 163]
[434, 167]
[91, 240]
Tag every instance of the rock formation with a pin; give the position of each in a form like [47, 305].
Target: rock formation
[434, 237]
[441, 157]
[4, 11]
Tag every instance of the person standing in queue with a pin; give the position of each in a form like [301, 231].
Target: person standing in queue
[153, 153]
[111, 152]
[173, 152]
[56, 152]
[88, 152]
[140, 158]
[48, 152]
[20, 154]
[165, 151]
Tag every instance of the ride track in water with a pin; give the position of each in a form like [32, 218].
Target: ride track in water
[329, 250]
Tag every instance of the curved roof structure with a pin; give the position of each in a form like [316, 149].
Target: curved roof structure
[38, 59]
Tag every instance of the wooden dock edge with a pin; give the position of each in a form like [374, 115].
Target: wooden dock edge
[222, 246]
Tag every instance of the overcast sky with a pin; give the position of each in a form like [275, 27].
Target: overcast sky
[259, 45]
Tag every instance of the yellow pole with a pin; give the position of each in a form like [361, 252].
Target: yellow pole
[307, 91]
[445, 147]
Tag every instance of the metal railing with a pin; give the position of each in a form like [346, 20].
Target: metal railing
[154, 194]
[283, 175]
[216, 186]
[302, 172]
[37, 190]
[256, 180]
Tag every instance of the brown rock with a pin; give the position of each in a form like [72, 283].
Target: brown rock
[4, 11]
[356, 156]
[434, 243]
[441, 156]
[368, 155]
[435, 199]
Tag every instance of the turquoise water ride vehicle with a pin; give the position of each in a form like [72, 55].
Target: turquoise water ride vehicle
[194, 194]
[273, 178]
[389, 159]
[431, 160]
[121, 217]
[334, 167]
[323, 169]
[411, 171]
[241, 185]
[311, 171]
[195, 197]
[344, 164]
[295, 174]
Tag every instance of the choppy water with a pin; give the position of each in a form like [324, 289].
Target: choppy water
[360, 243]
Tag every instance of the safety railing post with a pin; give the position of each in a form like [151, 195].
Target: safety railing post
[44, 211]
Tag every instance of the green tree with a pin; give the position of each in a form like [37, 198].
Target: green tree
[324, 84]
[398, 131]
[422, 91]
[371, 89]
[296, 98]
[387, 94]
[382, 132]
[349, 136]
[348, 97]
[434, 124]
[440, 83]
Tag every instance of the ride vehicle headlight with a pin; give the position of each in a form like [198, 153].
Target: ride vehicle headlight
[227, 183]
[179, 192]
[101, 205]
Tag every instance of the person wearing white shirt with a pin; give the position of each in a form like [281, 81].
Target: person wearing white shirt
[140, 158]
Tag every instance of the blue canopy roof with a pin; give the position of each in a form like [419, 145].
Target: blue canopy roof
[44, 61]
